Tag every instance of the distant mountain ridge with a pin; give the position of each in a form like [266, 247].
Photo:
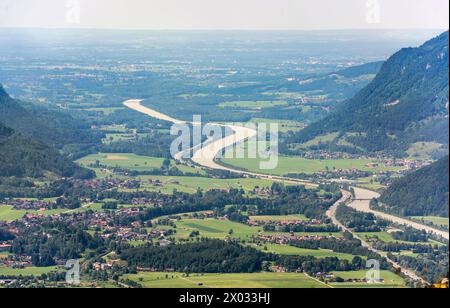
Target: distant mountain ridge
[407, 102]
[422, 193]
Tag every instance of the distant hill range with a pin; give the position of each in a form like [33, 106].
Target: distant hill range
[406, 103]
[422, 193]
[27, 139]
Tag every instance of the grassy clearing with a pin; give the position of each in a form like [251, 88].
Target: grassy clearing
[391, 280]
[214, 228]
[105, 111]
[126, 161]
[383, 236]
[423, 150]
[279, 218]
[28, 271]
[253, 104]
[256, 280]
[8, 214]
[294, 251]
[283, 125]
[290, 165]
[370, 183]
[220, 229]
[121, 128]
[132, 162]
[192, 184]
[438, 221]
[321, 139]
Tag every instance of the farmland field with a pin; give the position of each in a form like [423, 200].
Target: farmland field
[126, 161]
[294, 251]
[28, 271]
[279, 218]
[391, 280]
[132, 162]
[283, 125]
[383, 236]
[213, 228]
[256, 280]
[8, 214]
[253, 104]
[192, 184]
[438, 221]
[423, 150]
[292, 165]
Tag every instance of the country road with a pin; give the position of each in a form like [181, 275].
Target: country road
[206, 155]
[362, 204]
[331, 213]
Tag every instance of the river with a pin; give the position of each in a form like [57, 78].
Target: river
[205, 156]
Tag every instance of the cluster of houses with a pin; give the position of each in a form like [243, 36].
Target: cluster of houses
[281, 223]
[5, 246]
[333, 278]
[261, 191]
[286, 239]
[7, 282]
[158, 202]
[108, 183]
[17, 262]
[322, 154]
[29, 205]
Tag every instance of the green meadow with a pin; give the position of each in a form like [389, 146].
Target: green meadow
[438, 221]
[214, 228]
[126, 161]
[253, 104]
[222, 229]
[28, 271]
[283, 125]
[298, 217]
[133, 162]
[256, 280]
[192, 184]
[8, 214]
[294, 251]
[297, 165]
[391, 280]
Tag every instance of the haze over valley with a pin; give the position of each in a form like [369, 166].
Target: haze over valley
[224, 159]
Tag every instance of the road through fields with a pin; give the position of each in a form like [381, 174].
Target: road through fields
[205, 156]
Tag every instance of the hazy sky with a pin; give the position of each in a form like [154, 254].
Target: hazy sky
[226, 14]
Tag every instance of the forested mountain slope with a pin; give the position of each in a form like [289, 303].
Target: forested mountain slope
[24, 157]
[422, 193]
[407, 102]
[50, 127]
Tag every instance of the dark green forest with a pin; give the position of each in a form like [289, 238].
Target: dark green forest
[25, 157]
[23, 147]
[422, 193]
[51, 127]
[206, 256]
